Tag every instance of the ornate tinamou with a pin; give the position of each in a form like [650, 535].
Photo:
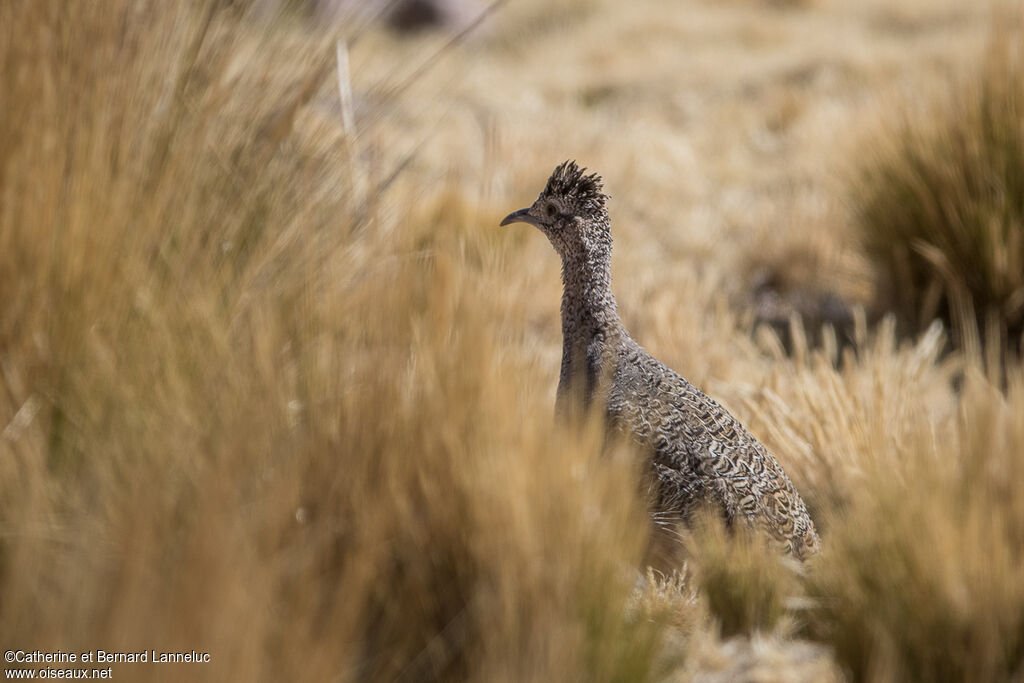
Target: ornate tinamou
[701, 454]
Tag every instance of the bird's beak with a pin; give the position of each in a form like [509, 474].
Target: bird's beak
[520, 216]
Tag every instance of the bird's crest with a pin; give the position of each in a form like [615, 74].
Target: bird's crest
[568, 181]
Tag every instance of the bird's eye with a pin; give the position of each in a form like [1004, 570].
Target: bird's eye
[550, 210]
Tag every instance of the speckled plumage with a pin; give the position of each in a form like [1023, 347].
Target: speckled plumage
[700, 453]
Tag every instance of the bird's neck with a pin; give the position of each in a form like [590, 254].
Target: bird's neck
[591, 329]
[588, 305]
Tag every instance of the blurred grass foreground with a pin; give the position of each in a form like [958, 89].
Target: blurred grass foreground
[277, 389]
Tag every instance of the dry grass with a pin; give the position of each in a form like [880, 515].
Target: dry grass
[261, 412]
[263, 396]
[912, 589]
[941, 201]
[746, 584]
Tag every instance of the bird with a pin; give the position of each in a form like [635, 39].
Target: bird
[699, 455]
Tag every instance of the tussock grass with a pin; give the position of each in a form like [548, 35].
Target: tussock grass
[919, 577]
[745, 582]
[922, 577]
[940, 202]
[250, 416]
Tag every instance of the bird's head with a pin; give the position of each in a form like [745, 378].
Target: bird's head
[570, 211]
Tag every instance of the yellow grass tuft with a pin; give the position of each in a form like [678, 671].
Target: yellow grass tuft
[746, 583]
[247, 414]
[921, 578]
[939, 202]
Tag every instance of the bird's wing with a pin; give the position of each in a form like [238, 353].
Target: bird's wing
[744, 475]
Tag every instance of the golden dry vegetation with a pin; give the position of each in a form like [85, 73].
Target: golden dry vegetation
[276, 387]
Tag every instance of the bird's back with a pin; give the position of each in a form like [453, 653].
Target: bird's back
[702, 454]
